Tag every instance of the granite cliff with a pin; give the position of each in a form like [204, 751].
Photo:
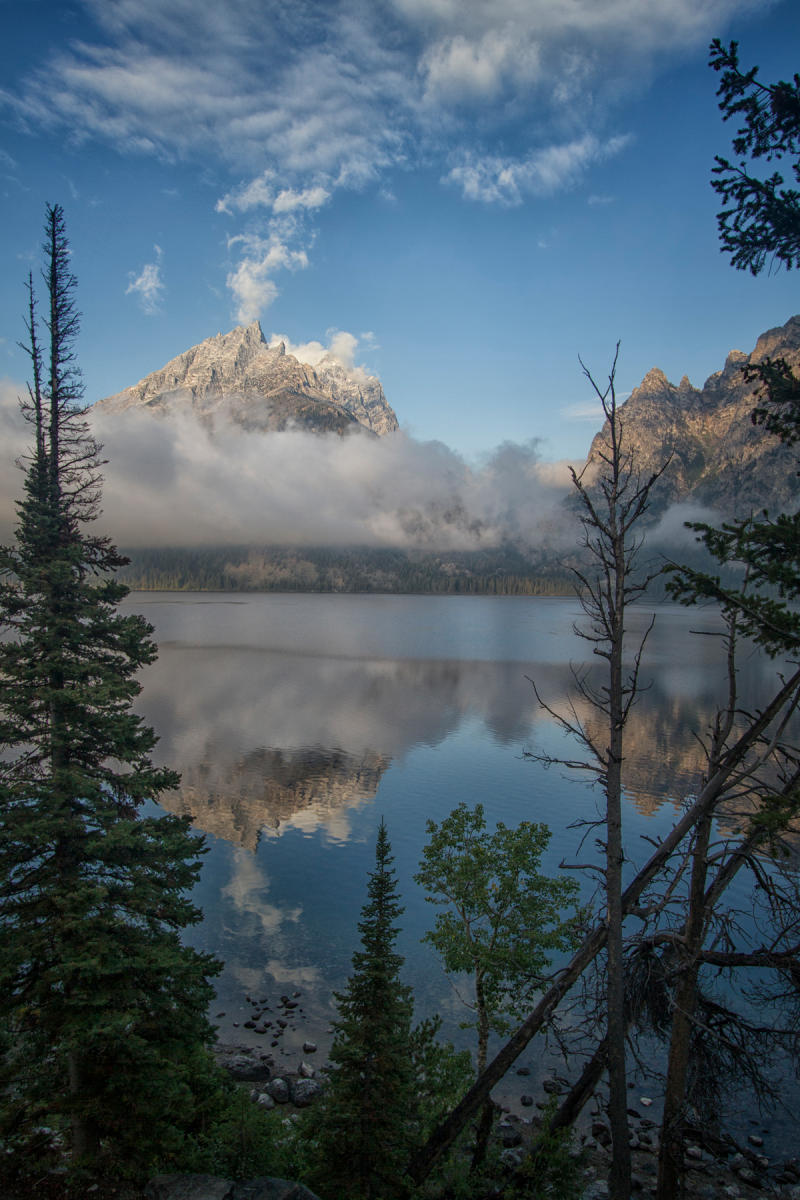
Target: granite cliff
[719, 458]
[237, 376]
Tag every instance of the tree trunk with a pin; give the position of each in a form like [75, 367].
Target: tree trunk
[486, 1121]
[671, 1152]
[483, 1132]
[582, 1090]
[483, 1021]
[85, 1137]
[616, 1027]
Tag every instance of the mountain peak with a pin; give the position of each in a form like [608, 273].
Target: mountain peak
[238, 376]
[654, 381]
[716, 456]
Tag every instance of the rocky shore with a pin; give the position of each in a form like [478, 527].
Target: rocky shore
[717, 1166]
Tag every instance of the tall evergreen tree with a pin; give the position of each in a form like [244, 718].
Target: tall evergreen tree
[759, 223]
[369, 1118]
[101, 1007]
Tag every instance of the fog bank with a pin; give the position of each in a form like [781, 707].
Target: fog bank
[169, 481]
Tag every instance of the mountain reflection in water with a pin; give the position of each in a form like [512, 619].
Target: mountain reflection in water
[297, 722]
[267, 740]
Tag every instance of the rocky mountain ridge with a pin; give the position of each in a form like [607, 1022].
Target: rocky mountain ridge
[238, 376]
[719, 458]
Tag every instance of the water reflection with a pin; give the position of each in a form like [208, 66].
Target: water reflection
[298, 721]
[267, 742]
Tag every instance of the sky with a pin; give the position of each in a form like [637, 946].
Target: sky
[463, 195]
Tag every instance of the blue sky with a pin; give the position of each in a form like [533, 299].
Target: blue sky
[477, 190]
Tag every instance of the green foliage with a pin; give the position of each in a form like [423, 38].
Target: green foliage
[101, 1005]
[442, 1073]
[502, 918]
[778, 409]
[550, 1171]
[369, 1117]
[760, 220]
[238, 1140]
[766, 552]
[456, 1178]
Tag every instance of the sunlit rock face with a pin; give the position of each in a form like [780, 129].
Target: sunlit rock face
[718, 457]
[238, 377]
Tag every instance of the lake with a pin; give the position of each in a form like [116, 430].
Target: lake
[299, 721]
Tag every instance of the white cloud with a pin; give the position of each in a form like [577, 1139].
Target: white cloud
[288, 200]
[258, 193]
[551, 169]
[342, 91]
[306, 99]
[148, 285]
[15, 438]
[458, 68]
[279, 242]
[342, 347]
[252, 281]
[586, 410]
[242, 487]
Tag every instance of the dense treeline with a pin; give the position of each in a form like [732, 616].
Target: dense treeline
[497, 572]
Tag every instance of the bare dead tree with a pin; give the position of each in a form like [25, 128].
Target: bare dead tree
[739, 750]
[613, 496]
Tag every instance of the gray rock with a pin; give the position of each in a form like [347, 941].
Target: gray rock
[305, 1092]
[265, 1100]
[279, 1090]
[601, 1133]
[309, 1047]
[748, 1176]
[509, 1136]
[306, 1070]
[243, 1066]
[189, 1187]
[271, 1189]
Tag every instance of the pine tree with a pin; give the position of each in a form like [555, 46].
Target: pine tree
[369, 1118]
[101, 1008]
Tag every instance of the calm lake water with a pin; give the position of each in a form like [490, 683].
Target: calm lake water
[298, 721]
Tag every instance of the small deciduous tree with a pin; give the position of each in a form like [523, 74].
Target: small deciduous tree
[101, 1006]
[369, 1118]
[502, 918]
